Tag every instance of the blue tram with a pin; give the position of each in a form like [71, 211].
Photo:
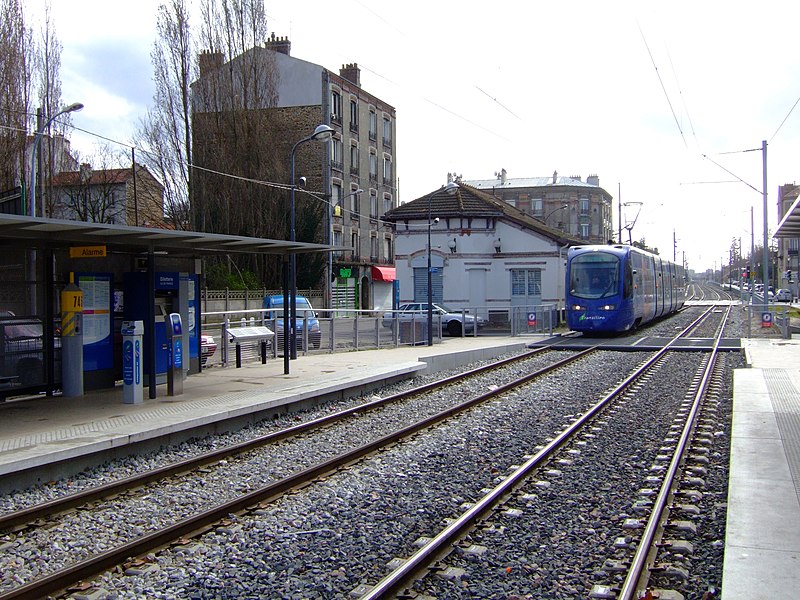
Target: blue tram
[615, 288]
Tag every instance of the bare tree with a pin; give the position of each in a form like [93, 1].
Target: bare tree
[234, 130]
[54, 152]
[15, 78]
[97, 192]
[166, 131]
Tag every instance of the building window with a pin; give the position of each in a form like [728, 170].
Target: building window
[336, 200]
[336, 155]
[354, 244]
[536, 206]
[584, 206]
[387, 132]
[354, 160]
[336, 107]
[355, 205]
[353, 115]
[387, 170]
[373, 205]
[337, 241]
[387, 204]
[373, 248]
[585, 230]
[387, 250]
[526, 282]
[373, 125]
[373, 167]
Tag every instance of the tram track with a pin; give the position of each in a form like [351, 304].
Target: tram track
[41, 517]
[209, 522]
[430, 570]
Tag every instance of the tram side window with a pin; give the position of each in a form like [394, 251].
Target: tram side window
[627, 285]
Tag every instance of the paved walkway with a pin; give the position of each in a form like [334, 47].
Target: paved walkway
[762, 543]
[43, 430]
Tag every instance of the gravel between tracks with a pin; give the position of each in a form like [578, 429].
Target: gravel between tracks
[298, 548]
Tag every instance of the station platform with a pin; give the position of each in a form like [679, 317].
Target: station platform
[43, 438]
[762, 545]
[762, 541]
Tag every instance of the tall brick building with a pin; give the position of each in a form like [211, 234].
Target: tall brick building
[292, 97]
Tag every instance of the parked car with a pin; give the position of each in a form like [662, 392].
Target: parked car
[22, 357]
[207, 348]
[783, 295]
[452, 321]
[305, 315]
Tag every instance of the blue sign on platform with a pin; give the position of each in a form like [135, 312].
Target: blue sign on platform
[127, 362]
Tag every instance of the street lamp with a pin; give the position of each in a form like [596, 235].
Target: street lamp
[552, 212]
[329, 280]
[76, 106]
[322, 133]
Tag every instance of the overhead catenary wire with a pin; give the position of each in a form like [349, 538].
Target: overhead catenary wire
[663, 88]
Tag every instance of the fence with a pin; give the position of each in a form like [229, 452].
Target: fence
[347, 330]
[767, 318]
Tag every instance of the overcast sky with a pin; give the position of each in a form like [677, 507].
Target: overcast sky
[634, 93]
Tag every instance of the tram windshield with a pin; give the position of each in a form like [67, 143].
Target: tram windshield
[594, 275]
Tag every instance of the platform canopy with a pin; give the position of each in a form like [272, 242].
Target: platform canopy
[37, 232]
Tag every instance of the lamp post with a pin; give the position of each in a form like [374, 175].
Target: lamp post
[76, 106]
[330, 243]
[552, 212]
[321, 133]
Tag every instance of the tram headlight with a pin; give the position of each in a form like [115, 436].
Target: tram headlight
[607, 307]
[577, 307]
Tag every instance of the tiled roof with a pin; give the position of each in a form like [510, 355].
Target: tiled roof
[463, 200]
[99, 177]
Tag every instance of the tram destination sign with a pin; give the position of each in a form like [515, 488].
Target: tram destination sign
[87, 251]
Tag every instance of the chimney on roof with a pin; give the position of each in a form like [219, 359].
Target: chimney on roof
[352, 73]
[279, 44]
[593, 180]
[85, 173]
[209, 61]
[555, 177]
[575, 177]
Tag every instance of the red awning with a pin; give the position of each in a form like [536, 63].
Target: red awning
[383, 274]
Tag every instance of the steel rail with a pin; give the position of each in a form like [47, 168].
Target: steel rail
[399, 579]
[639, 562]
[47, 509]
[91, 567]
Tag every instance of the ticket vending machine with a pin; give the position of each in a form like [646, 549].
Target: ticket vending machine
[174, 328]
[132, 332]
[174, 293]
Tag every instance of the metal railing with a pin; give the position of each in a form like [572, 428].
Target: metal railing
[344, 330]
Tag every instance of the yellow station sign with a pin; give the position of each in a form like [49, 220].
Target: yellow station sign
[87, 251]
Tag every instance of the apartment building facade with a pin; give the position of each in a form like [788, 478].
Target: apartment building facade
[579, 208]
[353, 176]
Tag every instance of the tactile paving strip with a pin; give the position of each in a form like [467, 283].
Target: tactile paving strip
[785, 400]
